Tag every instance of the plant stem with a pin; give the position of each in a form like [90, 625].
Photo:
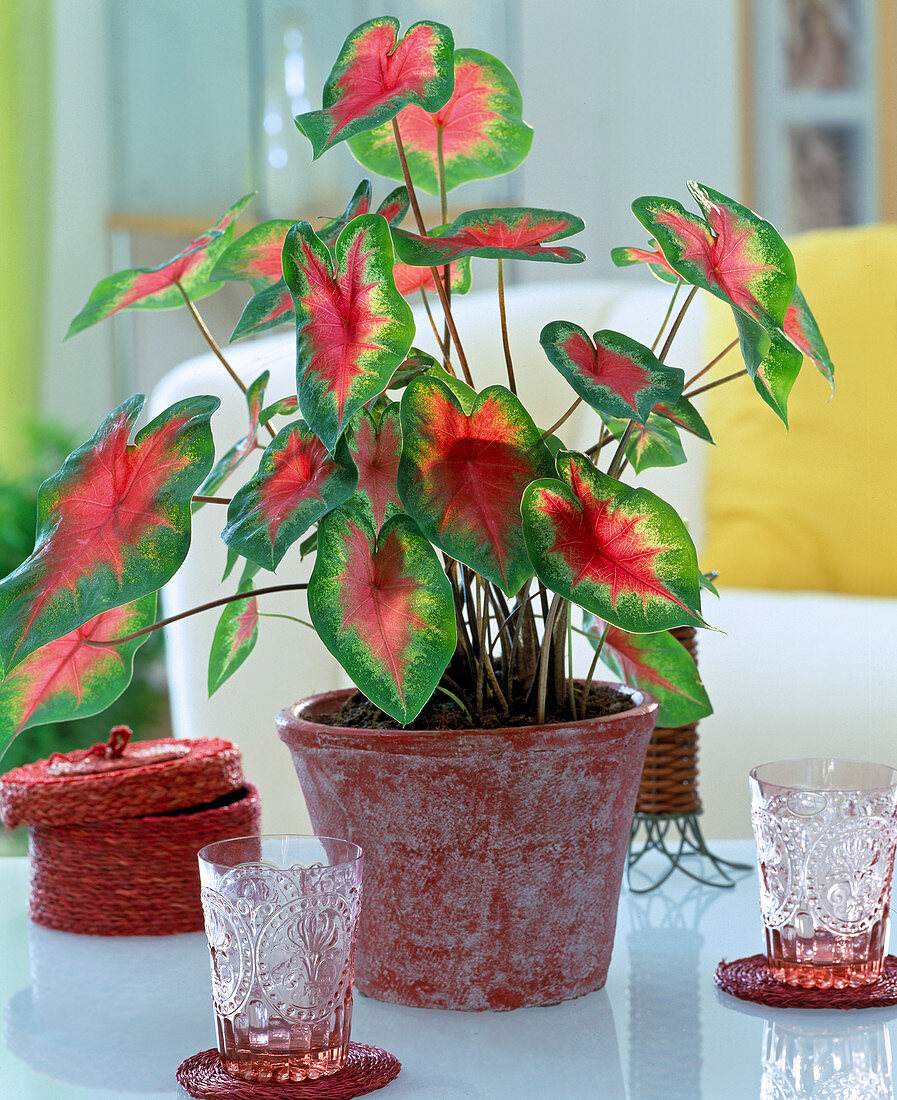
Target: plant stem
[619, 458]
[554, 427]
[210, 500]
[512, 383]
[432, 319]
[587, 687]
[718, 382]
[663, 323]
[292, 618]
[456, 699]
[710, 365]
[212, 342]
[668, 343]
[196, 610]
[544, 663]
[570, 686]
[443, 213]
[415, 206]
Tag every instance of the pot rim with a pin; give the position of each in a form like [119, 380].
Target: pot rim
[298, 712]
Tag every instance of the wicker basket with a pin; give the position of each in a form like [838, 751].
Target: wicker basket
[115, 831]
[669, 783]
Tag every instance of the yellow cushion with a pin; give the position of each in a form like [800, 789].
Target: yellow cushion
[814, 507]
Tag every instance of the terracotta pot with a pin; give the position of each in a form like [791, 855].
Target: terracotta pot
[493, 859]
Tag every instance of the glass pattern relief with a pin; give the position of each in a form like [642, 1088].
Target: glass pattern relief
[826, 859]
[281, 945]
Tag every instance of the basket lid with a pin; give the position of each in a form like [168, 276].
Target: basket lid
[120, 779]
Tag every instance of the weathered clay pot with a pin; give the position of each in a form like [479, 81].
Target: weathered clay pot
[493, 859]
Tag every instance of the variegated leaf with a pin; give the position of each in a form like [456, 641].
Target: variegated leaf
[70, 677]
[733, 253]
[411, 280]
[359, 204]
[376, 447]
[512, 232]
[772, 361]
[235, 635]
[616, 375]
[654, 443]
[462, 475]
[383, 606]
[479, 133]
[353, 328]
[395, 206]
[297, 482]
[375, 76]
[112, 525]
[801, 329]
[653, 257]
[285, 406]
[684, 415]
[621, 553]
[255, 254]
[657, 663]
[266, 309]
[157, 288]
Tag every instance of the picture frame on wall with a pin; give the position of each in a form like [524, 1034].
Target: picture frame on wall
[819, 110]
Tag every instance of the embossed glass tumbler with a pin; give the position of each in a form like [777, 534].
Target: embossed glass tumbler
[826, 832]
[281, 914]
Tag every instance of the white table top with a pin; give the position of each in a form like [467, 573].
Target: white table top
[88, 1017]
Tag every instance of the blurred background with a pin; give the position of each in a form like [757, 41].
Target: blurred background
[129, 126]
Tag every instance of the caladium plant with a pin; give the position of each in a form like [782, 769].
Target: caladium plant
[457, 540]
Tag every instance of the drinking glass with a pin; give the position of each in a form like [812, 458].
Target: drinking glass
[281, 915]
[826, 831]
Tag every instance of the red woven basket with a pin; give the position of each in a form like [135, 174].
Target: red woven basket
[115, 831]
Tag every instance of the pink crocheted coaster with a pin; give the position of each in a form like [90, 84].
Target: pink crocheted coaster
[749, 980]
[367, 1068]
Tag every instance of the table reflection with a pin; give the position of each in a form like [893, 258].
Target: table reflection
[567, 1050]
[117, 1013]
[804, 1056]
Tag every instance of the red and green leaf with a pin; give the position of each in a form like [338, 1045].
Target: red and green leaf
[353, 328]
[684, 415]
[235, 635]
[158, 287]
[462, 475]
[266, 309]
[297, 482]
[801, 329]
[376, 447]
[383, 606]
[417, 363]
[359, 204]
[479, 133]
[112, 525]
[236, 455]
[70, 677]
[283, 407]
[255, 254]
[410, 280]
[657, 663]
[654, 443]
[772, 361]
[512, 232]
[621, 553]
[733, 254]
[375, 76]
[653, 257]
[616, 375]
[395, 206]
